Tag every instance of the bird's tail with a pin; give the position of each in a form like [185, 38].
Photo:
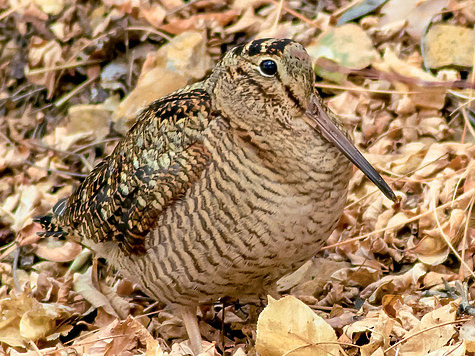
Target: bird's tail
[48, 223]
[50, 229]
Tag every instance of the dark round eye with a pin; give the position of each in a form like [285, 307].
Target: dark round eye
[268, 67]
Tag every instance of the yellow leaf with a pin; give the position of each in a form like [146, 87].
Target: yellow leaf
[288, 326]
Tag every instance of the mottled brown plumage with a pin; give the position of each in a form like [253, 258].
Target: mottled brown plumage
[219, 188]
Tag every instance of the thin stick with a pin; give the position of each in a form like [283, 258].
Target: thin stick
[465, 235]
[447, 240]
[73, 92]
[149, 29]
[295, 13]
[423, 331]
[366, 90]
[277, 16]
[467, 122]
[415, 218]
[63, 66]
[12, 10]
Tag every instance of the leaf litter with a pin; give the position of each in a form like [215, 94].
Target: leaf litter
[392, 280]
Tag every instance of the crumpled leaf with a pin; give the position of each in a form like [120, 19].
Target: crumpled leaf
[417, 14]
[179, 26]
[51, 7]
[19, 208]
[118, 338]
[105, 298]
[65, 252]
[431, 339]
[433, 249]
[317, 270]
[394, 284]
[46, 54]
[23, 319]
[288, 324]
[427, 97]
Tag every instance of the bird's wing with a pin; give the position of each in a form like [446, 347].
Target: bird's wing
[150, 169]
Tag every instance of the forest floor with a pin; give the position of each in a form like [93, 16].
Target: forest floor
[393, 279]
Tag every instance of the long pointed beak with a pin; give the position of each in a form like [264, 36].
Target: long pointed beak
[325, 125]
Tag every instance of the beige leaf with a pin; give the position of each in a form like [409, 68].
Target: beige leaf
[417, 13]
[427, 97]
[467, 333]
[248, 21]
[46, 54]
[446, 45]
[66, 252]
[174, 65]
[23, 318]
[107, 299]
[88, 119]
[431, 339]
[347, 45]
[318, 270]
[61, 140]
[155, 14]
[179, 26]
[394, 284]
[288, 326]
[51, 7]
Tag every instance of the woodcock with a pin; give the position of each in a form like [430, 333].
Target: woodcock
[222, 187]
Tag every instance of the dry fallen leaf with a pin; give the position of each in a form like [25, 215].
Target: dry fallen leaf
[24, 319]
[44, 54]
[179, 26]
[65, 252]
[179, 62]
[446, 45]
[105, 298]
[431, 339]
[417, 14]
[347, 45]
[467, 333]
[288, 326]
[88, 119]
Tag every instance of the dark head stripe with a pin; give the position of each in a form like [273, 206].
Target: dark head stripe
[268, 46]
[278, 46]
[255, 47]
[238, 50]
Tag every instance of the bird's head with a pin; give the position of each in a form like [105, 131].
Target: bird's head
[263, 72]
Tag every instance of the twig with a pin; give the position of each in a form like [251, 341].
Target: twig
[296, 14]
[12, 10]
[149, 29]
[277, 16]
[423, 331]
[465, 235]
[58, 171]
[63, 66]
[16, 256]
[415, 218]
[446, 238]
[73, 92]
[360, 89]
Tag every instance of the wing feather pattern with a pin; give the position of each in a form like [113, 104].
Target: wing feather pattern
[150, 169]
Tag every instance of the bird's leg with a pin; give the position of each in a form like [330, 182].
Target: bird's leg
[190, 320]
